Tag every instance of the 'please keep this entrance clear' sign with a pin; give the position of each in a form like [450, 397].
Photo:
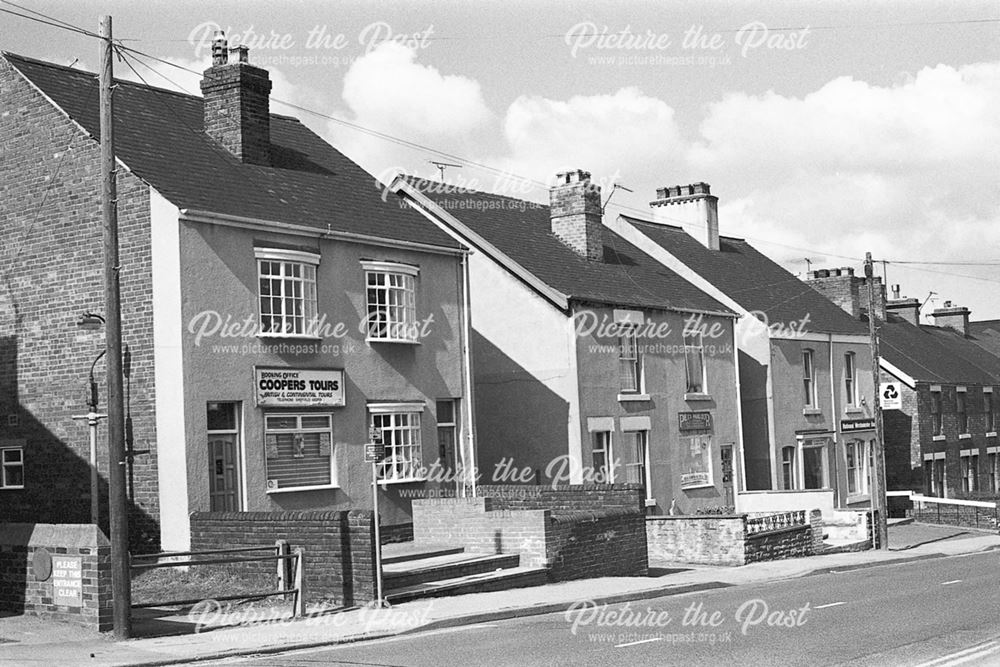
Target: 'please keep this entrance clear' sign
[299, 387]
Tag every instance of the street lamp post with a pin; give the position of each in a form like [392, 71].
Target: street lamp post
[92, 321]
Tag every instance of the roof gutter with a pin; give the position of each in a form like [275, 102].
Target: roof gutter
[211, 217]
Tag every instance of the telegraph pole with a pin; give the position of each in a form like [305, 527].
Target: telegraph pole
[880, 528]
[120, 576]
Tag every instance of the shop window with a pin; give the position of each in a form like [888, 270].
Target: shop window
[12, 468]
[788, 468]
[391, 302]
[857, 467]
[298, 451]
[696, 462]
[808, 379]
[603, 458]
[287, 286]
[629, 361]
[399, 426]
[694, 358]
[850, 382]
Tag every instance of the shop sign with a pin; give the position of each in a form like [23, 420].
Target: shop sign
[299, 388]
[850, 425]
[694, 421]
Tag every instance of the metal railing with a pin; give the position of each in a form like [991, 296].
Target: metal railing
[286, 572]
[775, 521]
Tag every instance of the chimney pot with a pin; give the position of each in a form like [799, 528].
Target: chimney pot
[242, 53]
[219, 49]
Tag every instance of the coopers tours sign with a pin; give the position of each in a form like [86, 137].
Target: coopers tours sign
[297, 388]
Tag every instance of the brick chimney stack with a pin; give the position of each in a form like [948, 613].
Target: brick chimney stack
[693, 207]
[576, 215]
[237, 103]
[848, 291]
[953, 317]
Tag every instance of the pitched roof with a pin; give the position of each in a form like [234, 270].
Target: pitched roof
[936, 354]
[160, 136]
[521, 230]
[986, 334]
[752, 279]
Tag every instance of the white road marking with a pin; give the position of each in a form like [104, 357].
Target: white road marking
[641, 641]
[961, 657]
[832, 604]
[949, 583]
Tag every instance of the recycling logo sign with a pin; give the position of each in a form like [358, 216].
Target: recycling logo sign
[891, 396]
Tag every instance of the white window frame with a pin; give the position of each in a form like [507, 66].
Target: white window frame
[307, 264]
[397, 285]
[699, 350]
[937, 413]
[859, 472]
[792, 468]
[993, 461]
[332, 484]
[809, 378]
[603, 442]
[850, 379]
[989, 416]
[5, 465]
[961, 415]
[400, 456]
[628, 342]
[969, 470]
[642, 436]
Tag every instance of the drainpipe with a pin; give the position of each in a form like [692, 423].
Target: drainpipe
[835, 415]
[740, 480]
[469, 467]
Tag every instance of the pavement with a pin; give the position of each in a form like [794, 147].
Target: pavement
[215, 633]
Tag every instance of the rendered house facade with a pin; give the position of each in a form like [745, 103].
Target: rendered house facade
[277, 311]
[582, 370]
[804, 365]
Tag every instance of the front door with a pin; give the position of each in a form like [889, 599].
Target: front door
[223, 457]
[727, 473]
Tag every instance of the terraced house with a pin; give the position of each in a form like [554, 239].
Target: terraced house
[592, 362]
[804, 365]
[278, 313]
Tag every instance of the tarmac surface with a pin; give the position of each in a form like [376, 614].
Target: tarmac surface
[163, 638]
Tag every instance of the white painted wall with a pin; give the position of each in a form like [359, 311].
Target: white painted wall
[175, 531]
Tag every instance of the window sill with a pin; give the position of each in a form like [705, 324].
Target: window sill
[938, 438]
[11, 488]
[624, 398]
[853, 410]
[297, 489]
[281, 336]
[697, 486]
[697, 396]
[991, 434]
[964, 436]
[407, 480]
[650, 502]
[403, 341]
[858, 499]
[810, 412]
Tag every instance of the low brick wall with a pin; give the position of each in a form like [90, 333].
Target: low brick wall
[338, 547]
[590, 541]
[724, 540]
[709, 540]
[58, 571]
[963, 516]
[790, 542]
[400, 532]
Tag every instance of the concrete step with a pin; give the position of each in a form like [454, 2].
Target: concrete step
[516, 577]
[401, 552]
[445, 566]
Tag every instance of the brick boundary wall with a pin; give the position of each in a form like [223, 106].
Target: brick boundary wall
[723, 540]
[589, 540]
[400, 532]
[963, 516]
[339, 547]
[22, 592]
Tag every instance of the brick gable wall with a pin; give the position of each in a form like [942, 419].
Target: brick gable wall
[50, 243]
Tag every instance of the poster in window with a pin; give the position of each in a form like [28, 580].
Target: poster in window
[696, 461]
[271, 446]
[325, 449]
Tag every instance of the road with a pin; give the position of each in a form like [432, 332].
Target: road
[943, 611]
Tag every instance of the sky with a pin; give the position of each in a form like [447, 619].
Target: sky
[827, 129]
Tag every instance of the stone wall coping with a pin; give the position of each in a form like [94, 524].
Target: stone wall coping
[696, 517]
[331, 515]
[68, 535]
[573, 516]
[778, 531]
